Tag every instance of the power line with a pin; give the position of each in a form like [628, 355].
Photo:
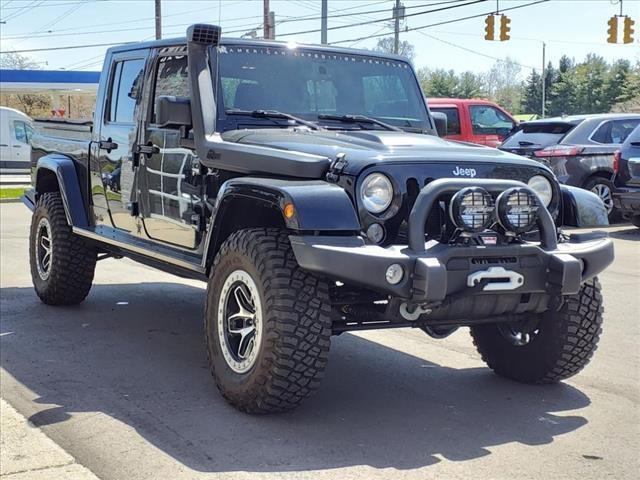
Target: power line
[433, 37]
[472, 2]
[441, 23]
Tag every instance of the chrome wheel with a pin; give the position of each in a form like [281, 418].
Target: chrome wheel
[44, 254]
[239, 321]
[604, 192]
[516, 335]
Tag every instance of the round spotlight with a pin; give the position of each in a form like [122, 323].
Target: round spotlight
[375, 233]
[471, 209]
[394, 274]
[517, 210]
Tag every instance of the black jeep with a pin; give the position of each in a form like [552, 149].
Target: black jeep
[308, 187]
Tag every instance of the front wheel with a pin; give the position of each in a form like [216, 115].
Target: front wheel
[553, 347]
[267, 324]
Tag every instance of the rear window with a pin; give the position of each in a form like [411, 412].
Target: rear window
[453, 119]
[539, 135]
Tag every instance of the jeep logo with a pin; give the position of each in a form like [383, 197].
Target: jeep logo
[464, 172]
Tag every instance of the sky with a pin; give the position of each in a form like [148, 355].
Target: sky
[568, 27]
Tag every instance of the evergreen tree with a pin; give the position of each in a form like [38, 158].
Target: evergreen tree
[532, 94]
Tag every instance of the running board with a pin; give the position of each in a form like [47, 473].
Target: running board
[145, 248]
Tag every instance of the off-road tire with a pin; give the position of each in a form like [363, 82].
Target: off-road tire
[296, 327]
[73, 261]
[564, 344]
[635, 220]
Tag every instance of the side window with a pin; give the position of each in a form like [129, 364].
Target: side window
[487, 120]
[30, 132]
[453, 119]
[614, 131]
[172, 78]
[125, 89]
[20, 131]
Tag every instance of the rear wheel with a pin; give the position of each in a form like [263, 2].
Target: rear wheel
[62, 264]
[547, 349]
[267, 325]
[604, 189]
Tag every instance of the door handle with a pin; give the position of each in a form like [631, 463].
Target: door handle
[17, 146]
[3, 145]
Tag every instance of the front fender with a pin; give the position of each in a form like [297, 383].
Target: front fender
[64, 170]
[582, 208]
[318, 205]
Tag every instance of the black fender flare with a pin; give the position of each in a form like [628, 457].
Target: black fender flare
[65, 172]
[582, 208]
[318, 205]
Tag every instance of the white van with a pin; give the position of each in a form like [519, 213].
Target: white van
[16, 130]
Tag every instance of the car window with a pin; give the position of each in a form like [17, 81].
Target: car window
[538, 134]
[384, 95]
[614, 131]
[453, 119]
[125, 88]
[30, 132]
[172, 78]
[487, 120]
[20, 131]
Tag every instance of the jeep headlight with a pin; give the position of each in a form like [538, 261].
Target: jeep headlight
[542, 187]
[376, 192]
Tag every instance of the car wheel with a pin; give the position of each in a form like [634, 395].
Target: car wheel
[554, 346]
[604, 189]
[635, 220]
[62, 264]
[267, 325]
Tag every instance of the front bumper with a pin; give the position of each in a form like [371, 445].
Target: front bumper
[627, 200]
[434, 271]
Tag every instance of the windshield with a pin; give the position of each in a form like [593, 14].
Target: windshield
[309, 83]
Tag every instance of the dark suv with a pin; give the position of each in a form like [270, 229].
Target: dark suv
[579, 149]
[626, 166]
[307, 186]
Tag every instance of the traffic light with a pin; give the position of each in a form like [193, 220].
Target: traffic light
[613, 30]
[490, 23]
[505, 28]
[627, 33]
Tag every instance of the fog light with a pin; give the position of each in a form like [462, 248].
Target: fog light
[517, 210]
[394, 274]
[375, 232]
[471, 209]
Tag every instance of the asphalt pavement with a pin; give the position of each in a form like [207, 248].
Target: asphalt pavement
[121, 383]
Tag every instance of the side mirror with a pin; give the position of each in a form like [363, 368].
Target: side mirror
[440, 119]
[173, 112]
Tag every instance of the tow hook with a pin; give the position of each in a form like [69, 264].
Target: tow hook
[412, 312]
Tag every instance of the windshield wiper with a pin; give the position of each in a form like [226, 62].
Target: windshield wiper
[272, 114]
[358, 119]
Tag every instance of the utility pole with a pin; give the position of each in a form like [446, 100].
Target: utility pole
[158, 20]
[544, 78]
[396, 27]
[265, 19]
[323, 26]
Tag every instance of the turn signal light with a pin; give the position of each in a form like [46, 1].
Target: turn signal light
[289, 211]
[616, 161]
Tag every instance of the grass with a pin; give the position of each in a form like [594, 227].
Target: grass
[10, 193]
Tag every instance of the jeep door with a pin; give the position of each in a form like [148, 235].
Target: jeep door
[121, 99]
[169, 181]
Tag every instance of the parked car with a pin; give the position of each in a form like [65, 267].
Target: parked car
[474, 120]
[308, 223]
[626, 180]
[579, 149]
[16, 130]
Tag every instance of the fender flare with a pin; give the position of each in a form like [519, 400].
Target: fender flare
[318, 205]
[64, 170]
[582, 208]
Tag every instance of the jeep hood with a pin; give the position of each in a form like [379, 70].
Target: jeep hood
[365, 148]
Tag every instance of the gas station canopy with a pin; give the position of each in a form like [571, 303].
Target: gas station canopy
[49, 81]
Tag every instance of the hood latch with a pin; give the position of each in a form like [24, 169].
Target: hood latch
[337, 167]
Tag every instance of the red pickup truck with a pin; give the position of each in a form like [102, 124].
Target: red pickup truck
[474, 120]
